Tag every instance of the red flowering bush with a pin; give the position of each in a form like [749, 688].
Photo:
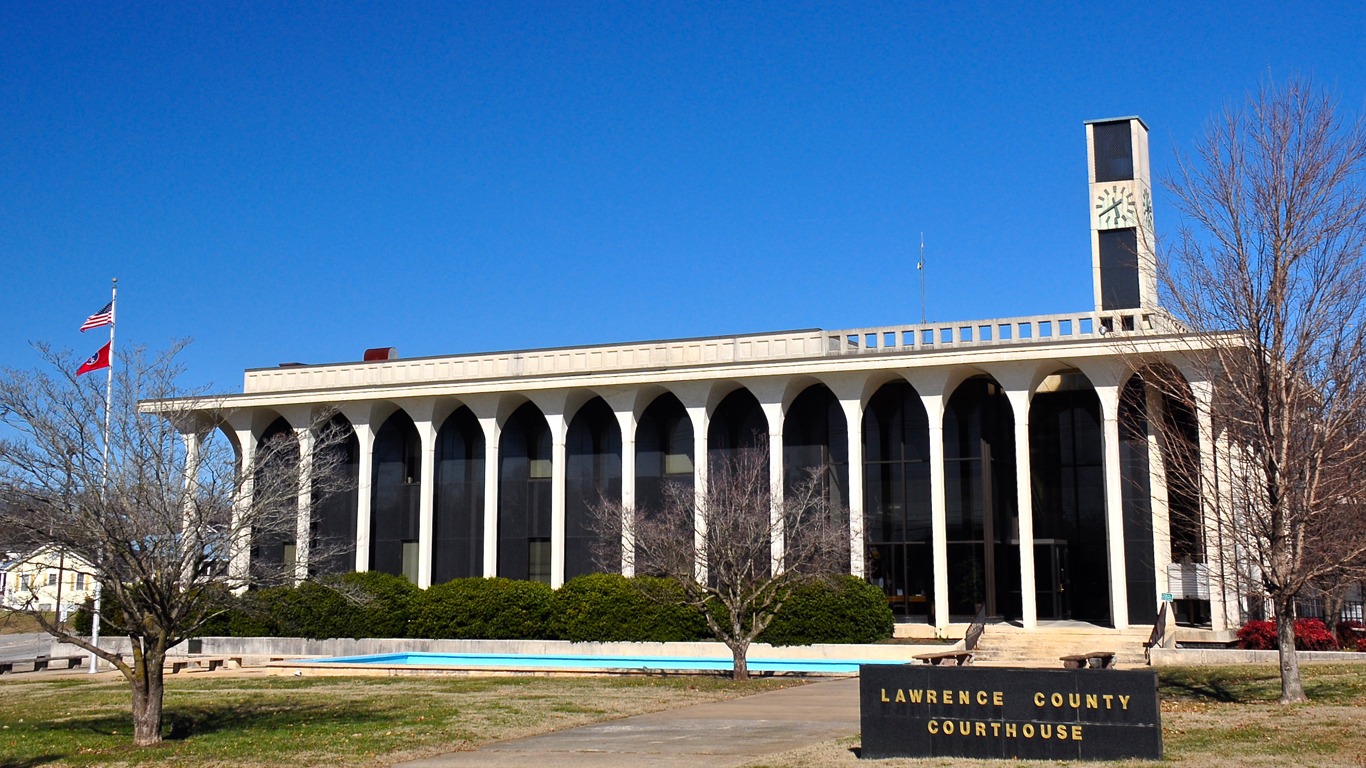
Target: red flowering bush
[1352, 635]
[1310, 635]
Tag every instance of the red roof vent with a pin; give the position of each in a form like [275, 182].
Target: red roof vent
[381, 353]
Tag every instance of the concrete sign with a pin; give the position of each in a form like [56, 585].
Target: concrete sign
[1026, 714]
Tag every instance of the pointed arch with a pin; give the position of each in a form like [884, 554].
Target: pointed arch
[333, 518]
[898, 515]
[592, 474]
[980, 500]
[458, 505]
[524, 492]
[396, 483]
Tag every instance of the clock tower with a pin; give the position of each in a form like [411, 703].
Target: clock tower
[1123, 259]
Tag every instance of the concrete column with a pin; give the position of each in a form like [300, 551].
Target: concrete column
[939, 529]
[858, 548]
[365, 440]
[194, 445]
[559, 428]
[1114, 506]
[303, 530]
[1024, 501]
[701, 421]
[773, 413]
[1209, 500]
[626, 421]
[239, 562]
[426, 529]
[492, 431]
[1157, 485]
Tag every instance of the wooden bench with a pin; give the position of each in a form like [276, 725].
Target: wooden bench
[1094, 660]
[943, 658]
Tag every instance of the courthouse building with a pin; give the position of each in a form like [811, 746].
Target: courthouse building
[1010, 463]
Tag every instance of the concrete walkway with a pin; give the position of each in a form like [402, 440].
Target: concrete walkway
[724, 733]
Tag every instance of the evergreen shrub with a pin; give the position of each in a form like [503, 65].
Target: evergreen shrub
[603, 607]
[482, 609]
[842, 609]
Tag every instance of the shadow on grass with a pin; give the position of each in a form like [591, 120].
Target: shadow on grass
[184, 722]
[1214, 690]
[28, 762]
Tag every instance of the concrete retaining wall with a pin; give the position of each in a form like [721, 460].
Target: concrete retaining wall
[293, 646]
[1194, 657]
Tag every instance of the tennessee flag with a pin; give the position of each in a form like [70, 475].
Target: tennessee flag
[96, 361]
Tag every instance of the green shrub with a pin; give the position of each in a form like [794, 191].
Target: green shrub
[603, 607]
[482, 609]
[355, 605]
[843, 609]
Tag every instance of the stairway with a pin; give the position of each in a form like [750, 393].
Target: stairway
[1006, 645]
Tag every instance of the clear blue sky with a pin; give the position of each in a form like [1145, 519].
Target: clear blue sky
[300, 184]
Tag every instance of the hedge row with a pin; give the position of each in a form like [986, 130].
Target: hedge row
[598, 607]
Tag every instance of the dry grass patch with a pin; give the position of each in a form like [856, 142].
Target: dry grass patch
[284, 721]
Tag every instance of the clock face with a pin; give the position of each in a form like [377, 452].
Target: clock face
[1148, 209]
[1115, 207]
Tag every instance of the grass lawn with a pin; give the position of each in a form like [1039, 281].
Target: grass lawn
[257, 720]
[13, 622]
[1220, 717]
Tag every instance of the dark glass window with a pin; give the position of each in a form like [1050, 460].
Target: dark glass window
[1119, 269]
[272, 549]
[592, 476]
[396, 496]
[1067, 463]
[524, 456]
[737, 425]
[458, 509]
[1136, 491]
[980, 501]
[664, 451]
[333, 519]
[896, 492]
[816, 444]
[1114, 151]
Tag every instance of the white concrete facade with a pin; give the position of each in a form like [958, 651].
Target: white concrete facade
[775, 369]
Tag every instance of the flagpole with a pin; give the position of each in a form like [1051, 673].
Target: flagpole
[104, 466]
[921, 268]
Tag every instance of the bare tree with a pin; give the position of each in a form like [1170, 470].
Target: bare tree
[732, 577]
[1268, 271]
[160, 521]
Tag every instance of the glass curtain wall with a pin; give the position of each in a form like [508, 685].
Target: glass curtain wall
[524, 464]
[1136, 491]
[333, 542]
[272, 551]
[737, 425]
[980, 508]
[816, 447]
[458, 508]
[592, 475]
[396, 498]
[1071, 552]
[664, 452]
[898, 512]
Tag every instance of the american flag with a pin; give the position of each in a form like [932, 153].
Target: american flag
[103, 317]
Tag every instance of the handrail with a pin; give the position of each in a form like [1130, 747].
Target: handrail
[975, 629]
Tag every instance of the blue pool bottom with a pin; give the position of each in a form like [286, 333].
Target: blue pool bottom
[566, 662]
